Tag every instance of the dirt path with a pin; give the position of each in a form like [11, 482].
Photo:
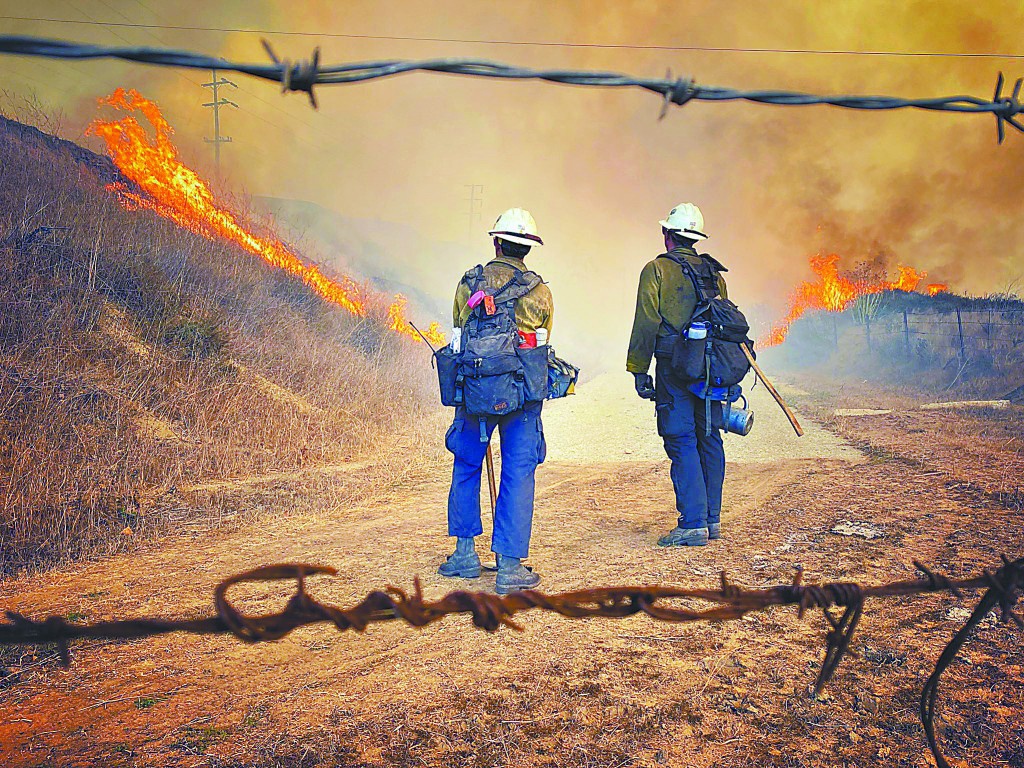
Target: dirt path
[578, 693]
[608, 422]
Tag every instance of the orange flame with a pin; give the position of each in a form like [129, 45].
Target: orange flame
[834, 292]
[934, 289]
[176, 192]
[397, 322]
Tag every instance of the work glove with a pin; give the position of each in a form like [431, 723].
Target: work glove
[644, 385]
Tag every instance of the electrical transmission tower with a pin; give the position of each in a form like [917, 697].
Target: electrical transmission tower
[216, 104]
[475, 206]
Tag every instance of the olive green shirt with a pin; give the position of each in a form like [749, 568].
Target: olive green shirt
[665, 300]
[535, 310]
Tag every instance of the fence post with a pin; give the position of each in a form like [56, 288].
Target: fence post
[867, 332]
[960, 333]
[906, 332]
[835, 332]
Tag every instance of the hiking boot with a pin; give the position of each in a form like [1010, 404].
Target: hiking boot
[463, 563]
[684, 537]
[513, 576]
[714, 530]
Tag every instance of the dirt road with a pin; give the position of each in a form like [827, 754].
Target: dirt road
[607, 422]
[565, 693]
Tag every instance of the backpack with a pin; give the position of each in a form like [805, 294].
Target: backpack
[491, 375]
[718, 359]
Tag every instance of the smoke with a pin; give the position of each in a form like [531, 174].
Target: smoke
[596, 168]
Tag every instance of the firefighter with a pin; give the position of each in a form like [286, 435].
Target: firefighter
[522, 436]
[665, 302]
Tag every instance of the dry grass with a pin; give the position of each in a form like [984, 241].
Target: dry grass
[924, 352]
[135, 358]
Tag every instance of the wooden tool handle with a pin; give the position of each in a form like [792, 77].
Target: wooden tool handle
[772, 390]
[490, 478]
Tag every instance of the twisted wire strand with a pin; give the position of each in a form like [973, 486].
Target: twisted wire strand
[490, 612]
[303, 76]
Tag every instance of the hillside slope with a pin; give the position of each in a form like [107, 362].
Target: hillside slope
[394, 257]
[136, 357]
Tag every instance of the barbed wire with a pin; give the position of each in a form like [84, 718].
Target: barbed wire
[491, 612]
[305, 75]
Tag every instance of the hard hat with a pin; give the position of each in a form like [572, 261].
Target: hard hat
[686, 219]
[517, 226]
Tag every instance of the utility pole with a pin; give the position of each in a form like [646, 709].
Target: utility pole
[216, 104]
[474, 207]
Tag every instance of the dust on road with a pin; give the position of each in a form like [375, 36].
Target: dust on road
[606, 421]
[603, 499]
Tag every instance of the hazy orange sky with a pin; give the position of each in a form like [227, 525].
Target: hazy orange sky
[596, 167]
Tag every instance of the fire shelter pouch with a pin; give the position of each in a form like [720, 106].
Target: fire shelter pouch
[727, 362]
[535, 371]
[688, 358]
[447, 363]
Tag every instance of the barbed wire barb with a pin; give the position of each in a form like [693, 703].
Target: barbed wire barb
[490, 612]
[1010, 106]
[305, 75]
[297, 77]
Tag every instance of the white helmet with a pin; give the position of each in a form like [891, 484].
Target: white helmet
[517, 226]
[686, 219]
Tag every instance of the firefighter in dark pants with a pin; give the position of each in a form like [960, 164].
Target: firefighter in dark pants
[522, 433]
[665, 303]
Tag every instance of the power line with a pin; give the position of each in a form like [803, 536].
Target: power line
[216, 104]
[249, 93]
[147, 27]
[537, 43]
[475, 206]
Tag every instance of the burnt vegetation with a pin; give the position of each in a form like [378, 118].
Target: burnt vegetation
[970, 346]
[137, 358]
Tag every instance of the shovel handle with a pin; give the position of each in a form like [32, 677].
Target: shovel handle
[774, 392]
[490, 478]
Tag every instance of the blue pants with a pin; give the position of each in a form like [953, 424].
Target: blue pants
[698, 460]
[522, 449]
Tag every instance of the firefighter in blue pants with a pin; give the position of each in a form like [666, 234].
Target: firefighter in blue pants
[522, 449]
[521, 432]
[665, 303]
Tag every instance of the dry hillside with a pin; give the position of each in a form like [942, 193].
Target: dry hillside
[139, 362]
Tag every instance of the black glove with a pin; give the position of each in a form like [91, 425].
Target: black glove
[644, 385]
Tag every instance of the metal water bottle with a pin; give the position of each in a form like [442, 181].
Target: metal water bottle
[456, 344]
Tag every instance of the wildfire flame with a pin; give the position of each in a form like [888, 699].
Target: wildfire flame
[176, 192]
[834, 292]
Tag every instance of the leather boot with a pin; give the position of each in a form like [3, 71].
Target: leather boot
[684, 537]
[513, 576]
[463, 563]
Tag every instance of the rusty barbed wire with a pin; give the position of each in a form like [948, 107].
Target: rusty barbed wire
[490, 612]
[304, 75]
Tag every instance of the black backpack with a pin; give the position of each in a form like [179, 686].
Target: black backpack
[717, 360]
[491, 375]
